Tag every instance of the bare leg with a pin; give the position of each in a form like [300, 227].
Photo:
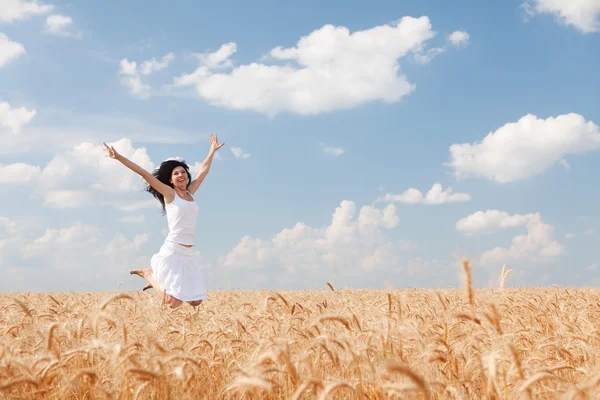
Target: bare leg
[195, 303]
[147, 275]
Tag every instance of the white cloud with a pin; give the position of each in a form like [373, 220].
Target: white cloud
[525, 148]
[14, 119]
[537, 245]
[119, 243]
[52, 260]
[589, 232]
[459, 38]
[329, 69]
[9, 50]
[14, 10]
[71, 237]
[238, 152]
[490, 221]
[592, 267]
[131, 75]
[456, 38]
[220, 58]
[86, 166]
[426, 56]
[130, 78]
[435, 195]
[332, 151]
[137, 219]
[151, 66]
[584, 15]
[84, 176]
[195, 168]
[67, 198]
[18, 173]
[569, 235]
[58, 25]
[349, 242]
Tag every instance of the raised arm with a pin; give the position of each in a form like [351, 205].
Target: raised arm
[163, 189]
[205, 167]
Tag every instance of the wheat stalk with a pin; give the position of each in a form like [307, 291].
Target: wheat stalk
[304, 344]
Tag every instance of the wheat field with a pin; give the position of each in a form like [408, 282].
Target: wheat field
[312, 344]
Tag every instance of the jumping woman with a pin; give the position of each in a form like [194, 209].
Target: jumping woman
[174, 271]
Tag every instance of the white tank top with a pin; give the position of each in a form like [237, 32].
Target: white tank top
[181, 216]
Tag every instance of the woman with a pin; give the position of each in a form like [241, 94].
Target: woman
[174, 271]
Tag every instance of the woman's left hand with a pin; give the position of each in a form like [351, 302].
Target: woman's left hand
[214, 142]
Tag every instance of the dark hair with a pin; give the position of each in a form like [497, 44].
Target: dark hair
[163, 174]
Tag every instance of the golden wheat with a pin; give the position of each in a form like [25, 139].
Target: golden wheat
[313, 344]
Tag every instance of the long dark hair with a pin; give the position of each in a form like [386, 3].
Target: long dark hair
[163, 174]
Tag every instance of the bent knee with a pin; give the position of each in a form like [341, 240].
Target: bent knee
[195, 303]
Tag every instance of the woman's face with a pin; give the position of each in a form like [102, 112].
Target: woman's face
[179, 178]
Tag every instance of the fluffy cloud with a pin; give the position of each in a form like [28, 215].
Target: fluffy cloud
[220, 58]
[77, 239]
[459, 38]
[131, 75]
[525, 148]
[86, 166]
[151, 66]
[19, 173]
[13, 119]
[537, 245]
[52, 260]
[130, 78]
[483, 222]
[329, 69]
[84, 176]
[435, 195]
[67, 198]
[239, 153]
[584, 15]
[74, 237]
[428, 55]
[58, 25]
[350, 243]
[14, 10]
[9, 50]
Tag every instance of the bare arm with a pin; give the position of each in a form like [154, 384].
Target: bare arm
[205, 167]
[163, 189]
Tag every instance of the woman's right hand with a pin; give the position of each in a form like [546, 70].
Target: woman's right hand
[110, 151]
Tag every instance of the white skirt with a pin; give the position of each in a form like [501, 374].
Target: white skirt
[177, 271]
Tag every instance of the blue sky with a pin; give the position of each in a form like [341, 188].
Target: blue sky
[342, 112]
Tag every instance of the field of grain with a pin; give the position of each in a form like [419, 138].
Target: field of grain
[363, 344]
